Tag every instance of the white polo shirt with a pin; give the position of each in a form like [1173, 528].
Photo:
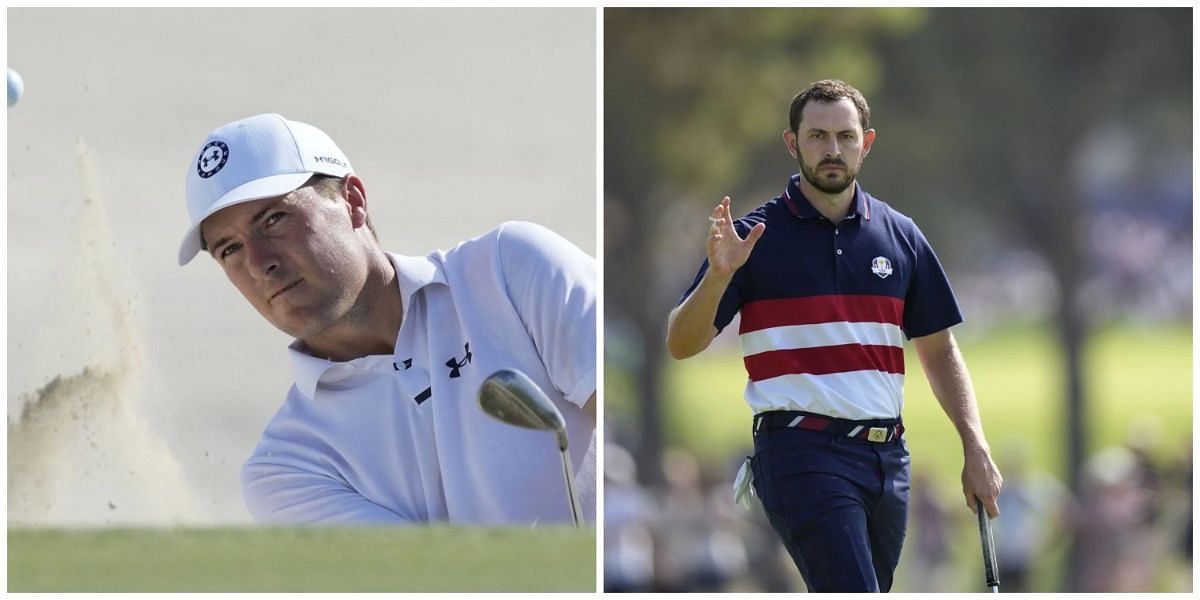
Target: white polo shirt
[401, 438]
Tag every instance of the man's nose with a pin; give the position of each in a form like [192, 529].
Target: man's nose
[832, 150]
[262, 258]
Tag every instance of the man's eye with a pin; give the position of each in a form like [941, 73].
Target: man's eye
[815, 134]
[274, 218]
[847, 136]
[229, 249]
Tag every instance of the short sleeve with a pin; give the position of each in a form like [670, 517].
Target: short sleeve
[929, 304]
[552, 285]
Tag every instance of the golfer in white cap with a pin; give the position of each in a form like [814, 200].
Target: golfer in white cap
[381, 424]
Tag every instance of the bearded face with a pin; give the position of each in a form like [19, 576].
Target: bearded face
[830, 145]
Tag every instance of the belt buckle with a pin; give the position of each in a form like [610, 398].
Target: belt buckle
[877, 434]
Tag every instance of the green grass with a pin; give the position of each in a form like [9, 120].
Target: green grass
[1135, 380]
[1131, 376]
[418, 559]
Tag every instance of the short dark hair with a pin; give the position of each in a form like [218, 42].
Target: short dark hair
[829, 90]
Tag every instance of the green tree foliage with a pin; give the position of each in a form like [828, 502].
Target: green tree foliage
[984, 117]
[1001, 105]
[689, 95]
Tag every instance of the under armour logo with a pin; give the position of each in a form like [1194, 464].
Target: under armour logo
[407, 365]
[210, 163]
[456, 364]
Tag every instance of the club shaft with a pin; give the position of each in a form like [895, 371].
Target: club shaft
[569, 476]
[989, 547]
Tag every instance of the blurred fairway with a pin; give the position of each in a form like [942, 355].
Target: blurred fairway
[1134, 378]
[1131, 375]
[417, 559]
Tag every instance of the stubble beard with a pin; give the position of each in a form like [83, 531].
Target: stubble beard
[329, 305]
[308, 320]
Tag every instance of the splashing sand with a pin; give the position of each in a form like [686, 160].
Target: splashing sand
[80, 454]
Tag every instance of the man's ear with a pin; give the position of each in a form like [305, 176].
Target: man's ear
[355, 196]
[868, 141]
[789, 140]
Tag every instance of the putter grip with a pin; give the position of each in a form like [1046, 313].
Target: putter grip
[989, 547]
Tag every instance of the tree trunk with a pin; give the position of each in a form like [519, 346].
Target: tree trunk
[1062, 237]
[1072, 333]
[649, 390]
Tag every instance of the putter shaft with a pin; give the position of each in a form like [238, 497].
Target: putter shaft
[989, 548]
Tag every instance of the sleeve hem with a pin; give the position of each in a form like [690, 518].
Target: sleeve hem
[932, 330]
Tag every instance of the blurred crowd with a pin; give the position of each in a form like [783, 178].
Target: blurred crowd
[1138, 270]
[1132, 522]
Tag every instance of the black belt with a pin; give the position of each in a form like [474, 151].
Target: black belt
[874, 430]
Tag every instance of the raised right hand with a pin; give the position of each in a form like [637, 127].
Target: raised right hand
[726, 251]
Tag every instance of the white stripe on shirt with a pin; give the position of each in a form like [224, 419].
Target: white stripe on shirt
[854, 395]
[823, 334]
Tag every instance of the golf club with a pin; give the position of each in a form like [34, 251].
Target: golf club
[989, 548]
[511, 397]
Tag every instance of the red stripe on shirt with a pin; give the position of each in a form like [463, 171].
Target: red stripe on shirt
[782, 312]
[825, 360]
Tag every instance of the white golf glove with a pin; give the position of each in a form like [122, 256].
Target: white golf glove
[743, 485]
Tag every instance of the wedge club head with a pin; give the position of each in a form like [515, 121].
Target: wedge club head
[511, 397]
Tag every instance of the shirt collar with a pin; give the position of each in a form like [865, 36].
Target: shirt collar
[798, 205]
[412, 274]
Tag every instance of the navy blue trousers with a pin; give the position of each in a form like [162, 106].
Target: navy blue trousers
[839, 504]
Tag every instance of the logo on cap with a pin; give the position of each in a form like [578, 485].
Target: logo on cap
[332, 160]
[881, 266]
[212, 158]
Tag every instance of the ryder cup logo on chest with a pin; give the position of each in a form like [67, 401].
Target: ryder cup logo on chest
[881, 266]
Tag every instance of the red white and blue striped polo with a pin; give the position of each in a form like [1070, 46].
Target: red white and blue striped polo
[826, 306]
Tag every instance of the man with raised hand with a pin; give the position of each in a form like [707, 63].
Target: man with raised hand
[829, 281]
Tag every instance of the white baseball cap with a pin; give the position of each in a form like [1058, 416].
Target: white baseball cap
[257, 157]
